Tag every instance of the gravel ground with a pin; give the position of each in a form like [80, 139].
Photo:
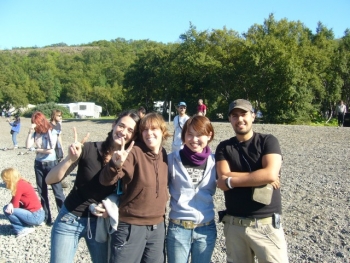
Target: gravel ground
[315, 191]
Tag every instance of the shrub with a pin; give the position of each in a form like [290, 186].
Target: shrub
[47, 108]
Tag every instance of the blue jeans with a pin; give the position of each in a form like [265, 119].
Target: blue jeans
[41, 170]
[199, 242]
[66, 232]
[14, 138]
[22, 218]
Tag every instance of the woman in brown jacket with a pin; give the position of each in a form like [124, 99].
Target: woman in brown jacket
[143, 169]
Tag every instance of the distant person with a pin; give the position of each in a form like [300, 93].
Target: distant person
[24, 210]
[75, 220]
[16, 126]
[248, 169]
[143, 170]
[192, 184]
[340, 111]
[201, 108]
[179, 122]
[141, 112]
[44, 138]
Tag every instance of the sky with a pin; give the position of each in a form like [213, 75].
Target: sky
[39, 23]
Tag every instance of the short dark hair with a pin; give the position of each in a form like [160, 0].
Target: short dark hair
[142, 110]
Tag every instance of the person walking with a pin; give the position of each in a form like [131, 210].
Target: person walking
[44, 138]
[179, 122]
[24, 210]
[143, 171]
[192, 184]
[75, 220]
[201, 108]
[340, 111]
[15, 128]
[248, 168]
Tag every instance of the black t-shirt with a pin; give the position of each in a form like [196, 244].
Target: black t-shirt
[87, 188]
[239, 199]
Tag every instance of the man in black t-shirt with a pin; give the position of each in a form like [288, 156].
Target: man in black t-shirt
[245, 163]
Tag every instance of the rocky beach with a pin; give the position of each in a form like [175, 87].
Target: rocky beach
[315, 185]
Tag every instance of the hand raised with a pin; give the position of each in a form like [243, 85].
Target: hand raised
[75, 149]
[120, 156]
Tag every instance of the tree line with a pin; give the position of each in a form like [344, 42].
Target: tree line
[289, 73]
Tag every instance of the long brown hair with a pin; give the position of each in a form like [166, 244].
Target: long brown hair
[54, 113]
[107, 145]
[42, 124]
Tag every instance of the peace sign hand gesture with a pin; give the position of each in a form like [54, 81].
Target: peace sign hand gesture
[120, 156]
[75, 149]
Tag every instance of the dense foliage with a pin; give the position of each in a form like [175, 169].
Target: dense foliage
[46, 109]
[290, 74]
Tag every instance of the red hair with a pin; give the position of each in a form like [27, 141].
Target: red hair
[42, 124]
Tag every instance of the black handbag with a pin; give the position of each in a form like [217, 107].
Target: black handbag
[12, 131]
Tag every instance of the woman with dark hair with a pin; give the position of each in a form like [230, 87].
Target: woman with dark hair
[56, 122]
[44, 138]
[75, 220]
[143, 171]
[192, 184]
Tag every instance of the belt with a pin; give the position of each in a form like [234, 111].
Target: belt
[47, 163]
[245, 221]
[189, 224]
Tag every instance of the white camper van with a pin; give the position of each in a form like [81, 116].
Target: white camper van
[84, 109]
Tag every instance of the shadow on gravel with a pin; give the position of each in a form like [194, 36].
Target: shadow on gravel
[5, 230]
[2, 216]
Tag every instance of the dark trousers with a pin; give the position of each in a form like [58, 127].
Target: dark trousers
[41, 171]
[138, 244]
[341, 119]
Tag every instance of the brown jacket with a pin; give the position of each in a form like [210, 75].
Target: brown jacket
[145, 181]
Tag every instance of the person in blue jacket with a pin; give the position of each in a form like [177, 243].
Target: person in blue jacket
[15, 128]
[192, 184]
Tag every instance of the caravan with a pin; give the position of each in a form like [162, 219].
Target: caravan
[84, 109]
